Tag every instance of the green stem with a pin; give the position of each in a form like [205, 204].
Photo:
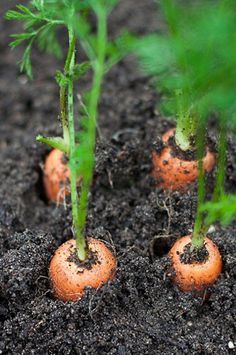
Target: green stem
[64, 90]
[169, 11]
[200, 227]
[186, 132]
[99, 67]
[221, 162]
[98, 70]
[71, 53]
[186, 122]
[80, 240]
[186, 127]
[63, 108]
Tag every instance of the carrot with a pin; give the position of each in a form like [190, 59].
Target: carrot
[172, 172]
[199, 274]
[56, 176]
[70, 277]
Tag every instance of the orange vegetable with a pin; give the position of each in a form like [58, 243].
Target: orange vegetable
[197, 275]
[69, 279]
[56, 176]
[172, 172]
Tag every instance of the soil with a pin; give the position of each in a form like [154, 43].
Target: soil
[141, 311]
[196, 256]
[188, 155]
[92, 259]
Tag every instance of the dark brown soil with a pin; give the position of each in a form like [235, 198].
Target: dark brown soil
[92, 259]
[194, 256]
[140, 312]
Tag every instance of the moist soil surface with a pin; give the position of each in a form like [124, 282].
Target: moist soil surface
[141, 311]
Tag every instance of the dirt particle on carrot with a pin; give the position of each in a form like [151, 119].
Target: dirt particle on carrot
[199, 274]
[70, 278]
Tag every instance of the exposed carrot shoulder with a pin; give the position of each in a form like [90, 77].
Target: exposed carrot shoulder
[174, 173]
[196, 275]
[70, 277]
[56, 176]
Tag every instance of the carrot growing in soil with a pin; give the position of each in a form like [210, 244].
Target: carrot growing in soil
[96, 264]
[196, 259]
[41, 20]
[193, 65]
[183, 65]
[81, 262]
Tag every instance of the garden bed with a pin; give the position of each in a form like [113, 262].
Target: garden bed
[141, 312]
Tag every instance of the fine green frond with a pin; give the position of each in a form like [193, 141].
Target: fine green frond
[196, 56]
[38, 5]
[23, 14]
[223, 211]
[47, 40]
[25, 62]
[156, 54]
[80, 70]
[40, 22]
[119, 48]
[19, 38]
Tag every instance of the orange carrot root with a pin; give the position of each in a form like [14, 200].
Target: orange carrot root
[69, 279]
[173, 173]
[56, 176]
[196, 276]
